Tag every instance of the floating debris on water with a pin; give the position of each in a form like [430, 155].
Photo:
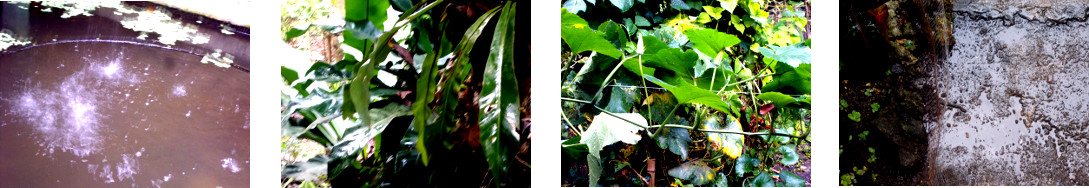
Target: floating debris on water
[218, 58]
[9, 39]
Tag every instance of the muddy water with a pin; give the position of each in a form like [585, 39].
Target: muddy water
[1015, 87]
[99, 108]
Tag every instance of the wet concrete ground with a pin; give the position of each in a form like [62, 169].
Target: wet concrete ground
[1015, 90]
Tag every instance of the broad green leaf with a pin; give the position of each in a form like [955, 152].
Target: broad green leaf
[697, 172]
[679, 5]
[288, 75]
[606, 130]
[714, 12]
[680, 62]
[622, 99]
[613, 32]
[574, 6]
[499, 102]
[676, 140]
[791, 180]
[729, 5]
[729, 144]
[790, 157]
[641, 21]
[855, 116]
[363, 30]
[779, 99]
[745, 164]
[630, 26]
[709, 41]
[573, 148]
[720, 180]
[689, 94]
[792, 80]
[584, 39]
[703, 18]
[366, 10]
[296, 31]
[793, 54]
[736, 22]
[623, 5]
[568, 19]
[762, 180]
[357, 137]
[652, 45]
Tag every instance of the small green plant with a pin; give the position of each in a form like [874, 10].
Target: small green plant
[855, 116]
[875, 107]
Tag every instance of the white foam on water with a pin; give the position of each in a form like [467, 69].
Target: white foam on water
[179, 90]
[230, 164]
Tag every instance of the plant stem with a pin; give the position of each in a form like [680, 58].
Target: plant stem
[747, 80]
[668, 117]
[597, 96]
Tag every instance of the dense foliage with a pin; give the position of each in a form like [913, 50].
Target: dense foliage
[401, 109]
[706, 93]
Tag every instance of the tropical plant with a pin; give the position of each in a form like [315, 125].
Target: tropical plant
[413, 103]
[721, 88]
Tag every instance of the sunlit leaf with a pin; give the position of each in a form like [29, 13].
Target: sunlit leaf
[780, 99]
[729, 5]
[793, 54]
[679, 5]
[680, 62]
[730, 144]
[714, 12]
[709, 41]
[584, 39]
[499, 114]
[606, 130]
[373, 11]
[568, 19]
[623, 5]
[697, 172]
[792, 80]
[689, 94]
[288, 75]
[855, 116]
[613, 32]
[574, 6]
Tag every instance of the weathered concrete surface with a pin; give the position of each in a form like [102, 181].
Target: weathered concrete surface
[1015, 88]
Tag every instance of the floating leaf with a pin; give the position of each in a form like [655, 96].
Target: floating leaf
[709, 41]
[606, 130]
[790, 157]
[697, 172]
[676, 140]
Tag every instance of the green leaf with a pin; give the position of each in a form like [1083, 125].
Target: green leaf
[568, 19]
[621, 99]
[746, 164]
[676, 140]
[736, 22]
[623, 5]
[720, 180]
[653, 45]
[779, 99]
[690, 94]
[793, 54]
[790, 157]
[855, 116]
[729, 5]
[709, 41]
[401, 5]
[357, 137]
[875, 107]
[680, 62]
[641, 21]
[762, 180]
[613, 32]
[792, 80]
[606, 130]
[779, 139]
[714, 12]
[842, 103]
[791, 180]
[679, 5]
[584, 39]
[697, 172]
[573, 148]
[499, 101]
[289, 75]
[296, 31]
[366, 10]
[574, 6]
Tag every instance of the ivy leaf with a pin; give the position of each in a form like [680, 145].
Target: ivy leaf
[584, 39]
[676, 140]
[606, 130]
[790, 157]
[729, 5]
[575, 6]
[688, 94]
[709, 41]
[696, 172]
[855, 116]
[791, 179]
[730, 144]
[714, 12]
[736, 22]
[793, 54]
[745, 164]
[623, 5]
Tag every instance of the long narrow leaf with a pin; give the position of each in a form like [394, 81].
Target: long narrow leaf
[499, 99]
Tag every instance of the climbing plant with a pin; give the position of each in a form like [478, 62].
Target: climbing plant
[415, 100]
[716, 91]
